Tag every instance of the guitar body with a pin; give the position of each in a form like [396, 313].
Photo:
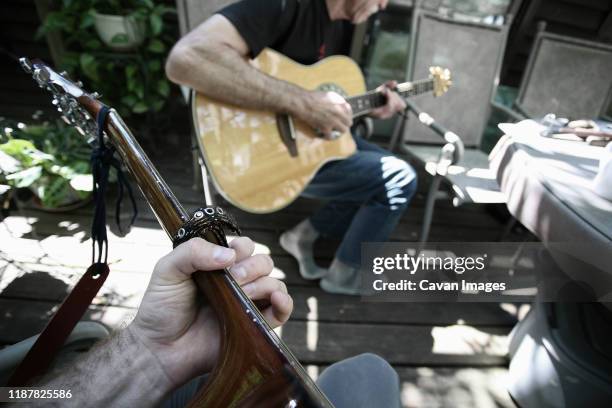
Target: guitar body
[250, 163]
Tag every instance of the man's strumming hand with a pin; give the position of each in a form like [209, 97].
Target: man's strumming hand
[182, 334]
[326, 112]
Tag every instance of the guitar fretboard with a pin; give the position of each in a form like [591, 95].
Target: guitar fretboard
[365, 103]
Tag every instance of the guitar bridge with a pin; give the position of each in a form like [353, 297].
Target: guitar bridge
[286, 131]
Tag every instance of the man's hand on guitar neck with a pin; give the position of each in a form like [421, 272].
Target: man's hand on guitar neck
[181, 333]
[395, 103]
[174, 337]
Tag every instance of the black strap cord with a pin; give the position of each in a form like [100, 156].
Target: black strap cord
[101, 161]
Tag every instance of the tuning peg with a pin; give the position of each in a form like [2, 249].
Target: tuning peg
[41, 75]
[79, 84]
[95, 95]
[64, 74]
[26, 64]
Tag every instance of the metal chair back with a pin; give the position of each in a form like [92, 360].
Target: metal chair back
[473, 52]
[193, 12]
[566, 76]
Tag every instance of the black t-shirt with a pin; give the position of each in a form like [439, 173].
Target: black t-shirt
[299, 29]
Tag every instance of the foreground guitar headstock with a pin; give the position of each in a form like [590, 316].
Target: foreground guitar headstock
[441, 80]
[77, 107]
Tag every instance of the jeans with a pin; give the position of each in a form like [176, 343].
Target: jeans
[367, 192]
[364, 381]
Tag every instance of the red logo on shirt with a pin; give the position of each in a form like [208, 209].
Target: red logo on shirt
[322, 51]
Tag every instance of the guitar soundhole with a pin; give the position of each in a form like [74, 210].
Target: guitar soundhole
[331, 87]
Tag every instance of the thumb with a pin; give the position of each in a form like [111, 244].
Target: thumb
[196, 254]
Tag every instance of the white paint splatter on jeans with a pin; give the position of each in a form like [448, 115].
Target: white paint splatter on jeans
[397, 174]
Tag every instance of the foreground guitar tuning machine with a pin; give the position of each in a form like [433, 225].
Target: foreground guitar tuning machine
[64, 93]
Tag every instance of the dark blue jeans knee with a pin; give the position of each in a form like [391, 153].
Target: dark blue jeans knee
[367, 194]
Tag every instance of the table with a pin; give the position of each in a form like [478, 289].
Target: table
[547, 186]
[560, 352]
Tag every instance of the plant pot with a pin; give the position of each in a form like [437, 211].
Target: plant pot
[68, 207]
[121, 33]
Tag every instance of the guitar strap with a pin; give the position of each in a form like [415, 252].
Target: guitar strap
[57, 330]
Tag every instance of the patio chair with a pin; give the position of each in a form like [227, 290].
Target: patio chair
[566, 76]
[473, 52]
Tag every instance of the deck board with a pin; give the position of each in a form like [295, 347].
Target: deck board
[445, 354]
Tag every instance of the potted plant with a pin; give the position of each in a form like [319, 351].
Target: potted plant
[131, 81]
[119, 32]
[50, 160]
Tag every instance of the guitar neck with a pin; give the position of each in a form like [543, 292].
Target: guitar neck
[367, 102]
[254, 364]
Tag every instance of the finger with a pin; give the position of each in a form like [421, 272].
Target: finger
[348, 109]
[398, 103]
[193, 255]
[326, 133]
[243, 246]
[252, 268]
[342, 119]
[280, 310]
[363, 11]
[263, 288]
[377, 113]
[392, 84]
[340, 127]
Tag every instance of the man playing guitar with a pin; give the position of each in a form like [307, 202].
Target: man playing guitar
[367, 192]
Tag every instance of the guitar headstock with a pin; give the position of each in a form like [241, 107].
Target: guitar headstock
[441, 80]
[77, 107]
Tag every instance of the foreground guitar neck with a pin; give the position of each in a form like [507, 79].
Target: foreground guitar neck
[255, 368]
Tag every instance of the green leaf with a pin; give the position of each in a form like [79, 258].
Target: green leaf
[161, 9]
[82, 182]
[158, 105]
[55, 21]
[87, 20]
[154, 65]
[163, 88]
[55, 192]
[156, 46]
[129, 100]
[130, 71]
[120, 38]
[92, 44]
[139, 89]
[89, 66]
[25, 178]
[157, 24]
[140, 107]
[25, 151]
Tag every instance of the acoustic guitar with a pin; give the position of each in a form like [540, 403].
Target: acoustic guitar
[261, 161]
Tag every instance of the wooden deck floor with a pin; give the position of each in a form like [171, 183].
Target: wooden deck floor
[447, 355]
